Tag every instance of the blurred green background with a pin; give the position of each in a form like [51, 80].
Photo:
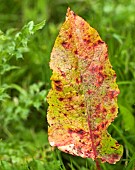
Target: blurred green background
[25, 79]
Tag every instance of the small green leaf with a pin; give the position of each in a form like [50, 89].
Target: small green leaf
[6, 67]
[39, 26]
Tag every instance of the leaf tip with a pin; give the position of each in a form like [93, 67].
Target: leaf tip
[70, 12]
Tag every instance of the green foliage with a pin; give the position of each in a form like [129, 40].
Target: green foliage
[25, 74]
[17, 106]
[13, 46]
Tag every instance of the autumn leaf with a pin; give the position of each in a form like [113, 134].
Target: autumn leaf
[83, 98]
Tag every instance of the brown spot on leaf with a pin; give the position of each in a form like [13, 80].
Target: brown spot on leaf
[57, 81]
[81, 78]
[65, 45]
[86, 57]
[69, 98]
[79, 148]
[115, 156]
[106, 122]
[73, 13]
[100, 68]
[86, 40]
[66, 151]
[81, 132]
[117, 144]
[113, 147]
[63, 74]
[83, 143]
[82, 105]
[100, 42]
[76, 52]
[77, 81]
[61, 99]
[98, 143]
[106, 56]
[70, 36]
[94, 68]
[104, 110]
[114, 75]
[103, 125]
[58, 85]
[58, 88]
[113, 109]
[96, 136]
[89, 91]
[112, 94]
[70, 131]
[98, 108]
[98, 128]
[100, 79]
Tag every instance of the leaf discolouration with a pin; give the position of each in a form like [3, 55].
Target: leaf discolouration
[84, 93]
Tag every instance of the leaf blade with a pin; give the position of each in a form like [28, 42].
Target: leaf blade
[83, 98]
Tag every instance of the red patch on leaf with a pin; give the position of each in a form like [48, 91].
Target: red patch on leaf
[78, 80]
[100, 42]
[104, 110]
[70, 36]
[112, 94]
[61, 99]
[58, 85]
[70, 131]
[69, 98]
[102, 125]
[82, 105]
[100, 79]
[90, 91]
[65, 45]
[79, 132]
[111, 158]
[63, 74]
[96, 136]
[98, 108]
[96, 69]
[86, 40]
[76, 52]
[113, 109]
